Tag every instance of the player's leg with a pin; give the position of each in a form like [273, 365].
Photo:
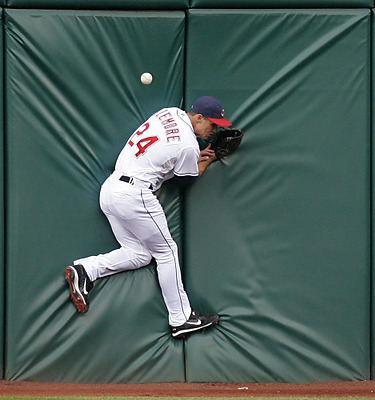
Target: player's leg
[182, 319]
[131, 255]
[152, 227]
[85, 271]
[122, 205]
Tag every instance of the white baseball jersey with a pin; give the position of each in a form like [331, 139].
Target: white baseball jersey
[164, 146]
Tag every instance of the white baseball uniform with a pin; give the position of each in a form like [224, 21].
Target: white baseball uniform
[164, 146]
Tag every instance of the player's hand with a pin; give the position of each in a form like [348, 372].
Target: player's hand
[207, 155]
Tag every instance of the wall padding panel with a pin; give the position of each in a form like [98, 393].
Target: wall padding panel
[101, 4]
[73, 98]
[280, 3]
[183, 4]
[372, 331]
[2, 283]
[282, 249]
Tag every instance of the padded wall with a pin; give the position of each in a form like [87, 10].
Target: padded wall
[277, 236]
[2, 215]
[73, 98]
[181, 4]
[372, 330]
[280, 3]
[101, 4]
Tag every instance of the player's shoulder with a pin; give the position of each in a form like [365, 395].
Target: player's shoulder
[176, 126]
[166, 110]
[175, 111]
[185, 123]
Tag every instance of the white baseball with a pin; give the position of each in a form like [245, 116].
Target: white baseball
[146, 78]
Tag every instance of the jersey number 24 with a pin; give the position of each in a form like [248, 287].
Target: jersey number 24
[144, 142]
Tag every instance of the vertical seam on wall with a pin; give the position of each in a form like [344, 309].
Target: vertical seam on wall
[183, 192]
[4, 202]
[184, 61]
[371, 198]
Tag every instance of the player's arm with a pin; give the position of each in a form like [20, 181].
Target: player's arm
[183, 181]
[186, 170]
[206, 157]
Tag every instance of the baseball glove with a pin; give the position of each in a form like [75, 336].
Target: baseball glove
[226, 141]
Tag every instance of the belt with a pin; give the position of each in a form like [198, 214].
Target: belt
[129, 179]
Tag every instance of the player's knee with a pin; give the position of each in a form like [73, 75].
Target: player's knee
[138, 259]
[143, 259]
[169, 253]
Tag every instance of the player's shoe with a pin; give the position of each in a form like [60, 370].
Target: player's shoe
[195, 323]
[79, 285]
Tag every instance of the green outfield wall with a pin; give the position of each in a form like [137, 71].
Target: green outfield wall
[290, 201]
[277, 238]
[2, 217]
[183, 4]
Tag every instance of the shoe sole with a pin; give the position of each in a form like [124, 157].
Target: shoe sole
[71, 277]
[183, 333]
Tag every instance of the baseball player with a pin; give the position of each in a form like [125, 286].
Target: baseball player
[164, 147]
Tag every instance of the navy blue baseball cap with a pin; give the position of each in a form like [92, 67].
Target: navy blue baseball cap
[212, 109]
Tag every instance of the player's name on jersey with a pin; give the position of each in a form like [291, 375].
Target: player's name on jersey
[169, 124]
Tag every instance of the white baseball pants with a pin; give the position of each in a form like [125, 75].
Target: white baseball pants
[139, 224]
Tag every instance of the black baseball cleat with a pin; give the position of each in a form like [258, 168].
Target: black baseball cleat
[195, 323]
[79, 285]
